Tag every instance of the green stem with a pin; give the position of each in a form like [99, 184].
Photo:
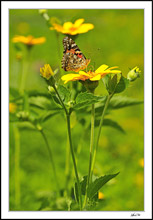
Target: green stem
[99, 131]
[73, 159]
[67, 166]
[51, 160]
[71, 147]
[17, 165]
[89, 178]
[91, 141]
[25, 71]
[60, 100]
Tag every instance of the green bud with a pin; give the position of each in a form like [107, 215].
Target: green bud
[90, 85]
[133, 74]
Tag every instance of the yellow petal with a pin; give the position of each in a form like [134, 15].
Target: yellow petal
[115, 71]
[101, 68]
[83, 73]
[85, 28]
[98, 77]
[57, 27]
[78, 22]
[67, 25]
[67, 76]
[39, 40]
[20, 39]
[114, 67]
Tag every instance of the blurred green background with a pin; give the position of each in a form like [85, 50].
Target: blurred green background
[116, 40]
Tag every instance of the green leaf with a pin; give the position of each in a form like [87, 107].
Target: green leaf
[122, 101]
[95, 186]
[13, 92]
[112, 83]
[84, 99]
[114, 124]
[64, 93]
[83, 184]
[26, 125]
[122, 85]
[42, 102]
[48, 115]
[111, 123]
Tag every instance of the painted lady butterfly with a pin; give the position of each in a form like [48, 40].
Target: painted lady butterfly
[73, 59]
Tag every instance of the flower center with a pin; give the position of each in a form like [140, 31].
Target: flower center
[30, 38]
[72, 28]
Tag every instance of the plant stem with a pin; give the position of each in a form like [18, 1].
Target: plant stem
[91, 141]
[25, 71]
[89, 178]
[99, 131]
[67, 166]
[73, 159]
[71, 147]
[51, 160]
[60, 100]
[17, 165]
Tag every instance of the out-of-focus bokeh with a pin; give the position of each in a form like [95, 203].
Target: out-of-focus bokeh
[116, 40]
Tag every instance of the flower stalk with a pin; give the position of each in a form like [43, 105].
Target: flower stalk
[51, 160]
[71, 146]
[99, 131]
[17, 165]
[25, 71]
[89, 178]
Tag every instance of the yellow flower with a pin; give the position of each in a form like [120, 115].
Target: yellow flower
[102, 71]
[141, 162]
[100, 195]
[29, 40]
[133, 74]
[46, 71]
[72, 29]
[12, 107]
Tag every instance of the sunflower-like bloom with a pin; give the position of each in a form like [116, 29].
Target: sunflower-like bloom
[46, 71]
[29, 40]
[72, 29]
[102, 71]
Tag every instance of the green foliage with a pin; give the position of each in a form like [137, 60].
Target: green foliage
[38, 108]
[86, 99]
[64, 93]
[122, 101]
[95, 186]
[111, 123]
[121, 85]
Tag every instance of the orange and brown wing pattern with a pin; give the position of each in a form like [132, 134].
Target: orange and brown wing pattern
[73, 59]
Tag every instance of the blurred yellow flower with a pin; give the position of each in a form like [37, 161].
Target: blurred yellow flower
[12, 107]
[133, 74]
[46, 71]
[141, 162]
[72, 29]
[90, 75]
[100, 195]
[29, 40]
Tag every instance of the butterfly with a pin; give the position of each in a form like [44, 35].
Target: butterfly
[73, 59]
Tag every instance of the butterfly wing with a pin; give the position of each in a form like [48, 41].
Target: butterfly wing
[73, 59]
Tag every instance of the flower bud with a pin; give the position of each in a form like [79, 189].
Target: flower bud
[90, 85]
[133, 74]
[42, 11]
[46, 71]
